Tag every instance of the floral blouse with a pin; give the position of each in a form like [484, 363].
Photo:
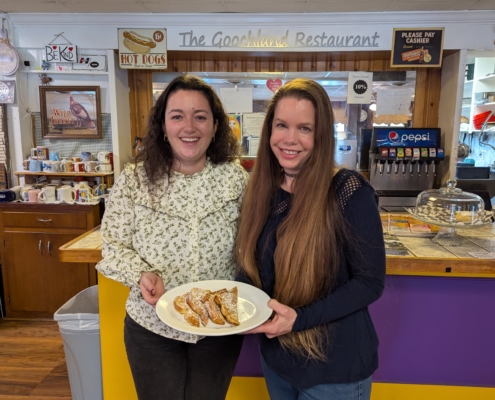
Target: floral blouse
[184, 231]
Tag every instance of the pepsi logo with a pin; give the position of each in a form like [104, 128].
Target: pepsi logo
[393, 136]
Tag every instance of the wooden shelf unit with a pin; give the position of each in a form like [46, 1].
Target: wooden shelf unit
[106, 176]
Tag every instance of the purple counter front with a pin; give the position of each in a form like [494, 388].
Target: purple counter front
[432, 330]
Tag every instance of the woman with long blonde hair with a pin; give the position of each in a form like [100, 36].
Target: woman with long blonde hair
[311, 238]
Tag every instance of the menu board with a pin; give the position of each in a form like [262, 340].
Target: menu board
[418, 47]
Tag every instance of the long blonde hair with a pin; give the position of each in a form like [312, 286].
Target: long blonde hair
[307, 254]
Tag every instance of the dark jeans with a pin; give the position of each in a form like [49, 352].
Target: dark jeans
[168, 369]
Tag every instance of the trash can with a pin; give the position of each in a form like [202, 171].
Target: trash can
[79, 324]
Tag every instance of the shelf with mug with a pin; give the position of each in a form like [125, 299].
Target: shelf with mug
[106, 176]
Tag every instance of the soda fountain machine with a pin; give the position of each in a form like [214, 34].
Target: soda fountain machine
[403, 163]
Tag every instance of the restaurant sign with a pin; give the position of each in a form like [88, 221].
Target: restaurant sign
[418, 47]
[143, 48]
[273, 39]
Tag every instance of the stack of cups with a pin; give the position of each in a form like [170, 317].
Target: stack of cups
[104, 164]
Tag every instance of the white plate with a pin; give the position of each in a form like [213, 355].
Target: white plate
[252, 306]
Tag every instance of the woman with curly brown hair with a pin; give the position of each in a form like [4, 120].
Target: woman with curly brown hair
[311, 238]
[171, 219]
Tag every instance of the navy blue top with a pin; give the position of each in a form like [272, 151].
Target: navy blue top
[353, 354]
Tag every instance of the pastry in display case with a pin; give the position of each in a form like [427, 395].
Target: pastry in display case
[450, 208]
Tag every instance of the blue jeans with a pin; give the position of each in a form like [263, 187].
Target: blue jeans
[280, 389]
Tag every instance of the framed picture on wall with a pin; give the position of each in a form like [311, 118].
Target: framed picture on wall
[70, 112]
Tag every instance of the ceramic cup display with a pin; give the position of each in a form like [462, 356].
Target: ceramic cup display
[90, 166]
[54, 156]
[85, 194]
[35, 165]
[104, 167]
[103, 157]
[66, 194]
[79, 166]
[47, 166]
[33, 195]
[7, 195]
[56, 166]
[67, 166]
[47, 194]
[85, 156]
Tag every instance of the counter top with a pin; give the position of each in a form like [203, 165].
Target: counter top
[424, 258]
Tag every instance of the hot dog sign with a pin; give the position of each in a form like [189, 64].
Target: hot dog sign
[143, 48]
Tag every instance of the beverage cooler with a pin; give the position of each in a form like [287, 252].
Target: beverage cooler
[403, 163]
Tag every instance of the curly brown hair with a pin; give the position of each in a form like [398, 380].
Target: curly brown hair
[156, 153]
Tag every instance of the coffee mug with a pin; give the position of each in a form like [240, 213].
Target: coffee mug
[7, 195]
[79, 166]
[76, 159]
[67, 166]
[24, 192]
[47, 194]
[85, 156]
[47, 166]
[17, 192]
[101, 189]
[90, 166]
[56, 166]
[103, 167]
[66, 194]
[33, 195]
[25, 165]
[43, 153]
[85, 195]
[54, 156]
[34, 152]
[35, 165]
[103, 157]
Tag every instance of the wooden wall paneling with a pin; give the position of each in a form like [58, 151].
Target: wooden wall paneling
[264, 65]
[237, 66]
[433, 99]
[363, 65]
[419, 98]
[292, 66]
[379, 65]
[349, 65]
[250, 66]
[140, 82]
[208, 65]
[321, 65]
[140, 101]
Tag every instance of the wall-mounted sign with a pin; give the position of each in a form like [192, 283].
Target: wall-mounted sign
[143, 48]
[359, 87]
[418, 47]
[85, 62]
[61, 53]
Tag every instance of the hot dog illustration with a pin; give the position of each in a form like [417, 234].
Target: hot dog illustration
[137, 43]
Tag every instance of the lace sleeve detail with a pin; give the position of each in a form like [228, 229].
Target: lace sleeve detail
[346, 182]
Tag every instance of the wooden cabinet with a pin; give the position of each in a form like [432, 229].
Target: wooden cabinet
[35, 282]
